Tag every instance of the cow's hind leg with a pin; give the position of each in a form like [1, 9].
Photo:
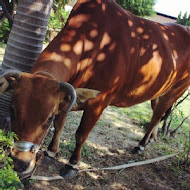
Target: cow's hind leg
[92, 111]
[164, 103]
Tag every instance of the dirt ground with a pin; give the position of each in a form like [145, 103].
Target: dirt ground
[110, 144]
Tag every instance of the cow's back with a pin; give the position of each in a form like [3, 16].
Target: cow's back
[135, 58]
[106, 48]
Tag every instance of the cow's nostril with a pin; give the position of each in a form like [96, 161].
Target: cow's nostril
[20, 165]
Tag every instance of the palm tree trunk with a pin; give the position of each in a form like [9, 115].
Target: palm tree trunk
[25, 43]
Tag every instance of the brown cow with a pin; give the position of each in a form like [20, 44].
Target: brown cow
[110, 57]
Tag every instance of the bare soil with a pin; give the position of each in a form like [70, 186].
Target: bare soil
[110, 144]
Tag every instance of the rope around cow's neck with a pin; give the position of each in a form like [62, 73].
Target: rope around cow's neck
[119, 167]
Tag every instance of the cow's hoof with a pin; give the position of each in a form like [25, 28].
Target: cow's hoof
[138, 150]
[47, 159]
[68, 172]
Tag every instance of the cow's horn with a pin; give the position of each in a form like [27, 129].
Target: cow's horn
[4, 76]
[12, 73]
[69, 90]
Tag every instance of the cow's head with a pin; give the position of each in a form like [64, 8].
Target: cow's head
[36, 99]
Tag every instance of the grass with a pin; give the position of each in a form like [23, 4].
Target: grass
[141, 114]
[67, 146]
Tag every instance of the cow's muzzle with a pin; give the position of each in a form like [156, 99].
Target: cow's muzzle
[24, 156]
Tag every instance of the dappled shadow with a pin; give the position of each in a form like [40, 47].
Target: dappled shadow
[103, 47]
[97, 155]
[128, 59]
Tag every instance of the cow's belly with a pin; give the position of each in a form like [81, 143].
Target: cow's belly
[128, 101]
[138, 95]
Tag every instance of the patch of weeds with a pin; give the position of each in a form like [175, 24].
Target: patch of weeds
[163, 148]
[174, 167]
[67, 147]
[100, 123]
[50, 169]
[32, 181]
[165, 138]
[137, 138]
[184, 158]
[2, 45]
[86, 151]
[9, 179]
[70, 145]
[140, 113]
[185, 185]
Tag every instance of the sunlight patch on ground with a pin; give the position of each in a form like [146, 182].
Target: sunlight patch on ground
[101, 149]
[116, 186]
[82, 164]
[42, 185]
[93, 175]
[120, 120]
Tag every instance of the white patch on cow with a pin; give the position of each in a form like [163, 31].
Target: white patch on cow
[75, 166]
[151, 140]
[51, 154]
[141, 147]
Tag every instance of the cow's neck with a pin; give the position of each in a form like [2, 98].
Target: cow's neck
[59, 59]
[45, 73]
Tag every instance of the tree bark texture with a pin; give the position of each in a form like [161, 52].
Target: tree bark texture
[25, 41]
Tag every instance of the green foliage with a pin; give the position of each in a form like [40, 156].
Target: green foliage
[4, 30]
[2, 45]
[175, 168]
[180, 111]
[66, 147]
[140, 114]
[57, 20]
[9, 179]
[58, 16]
[184, 158]
[183, 20]
[138, 7]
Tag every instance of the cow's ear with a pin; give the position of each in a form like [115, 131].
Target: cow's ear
[84, 94]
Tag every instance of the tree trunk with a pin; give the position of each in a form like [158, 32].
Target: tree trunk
[25, 42]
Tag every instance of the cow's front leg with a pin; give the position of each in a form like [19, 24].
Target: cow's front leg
[92, 112]
[54, 145]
